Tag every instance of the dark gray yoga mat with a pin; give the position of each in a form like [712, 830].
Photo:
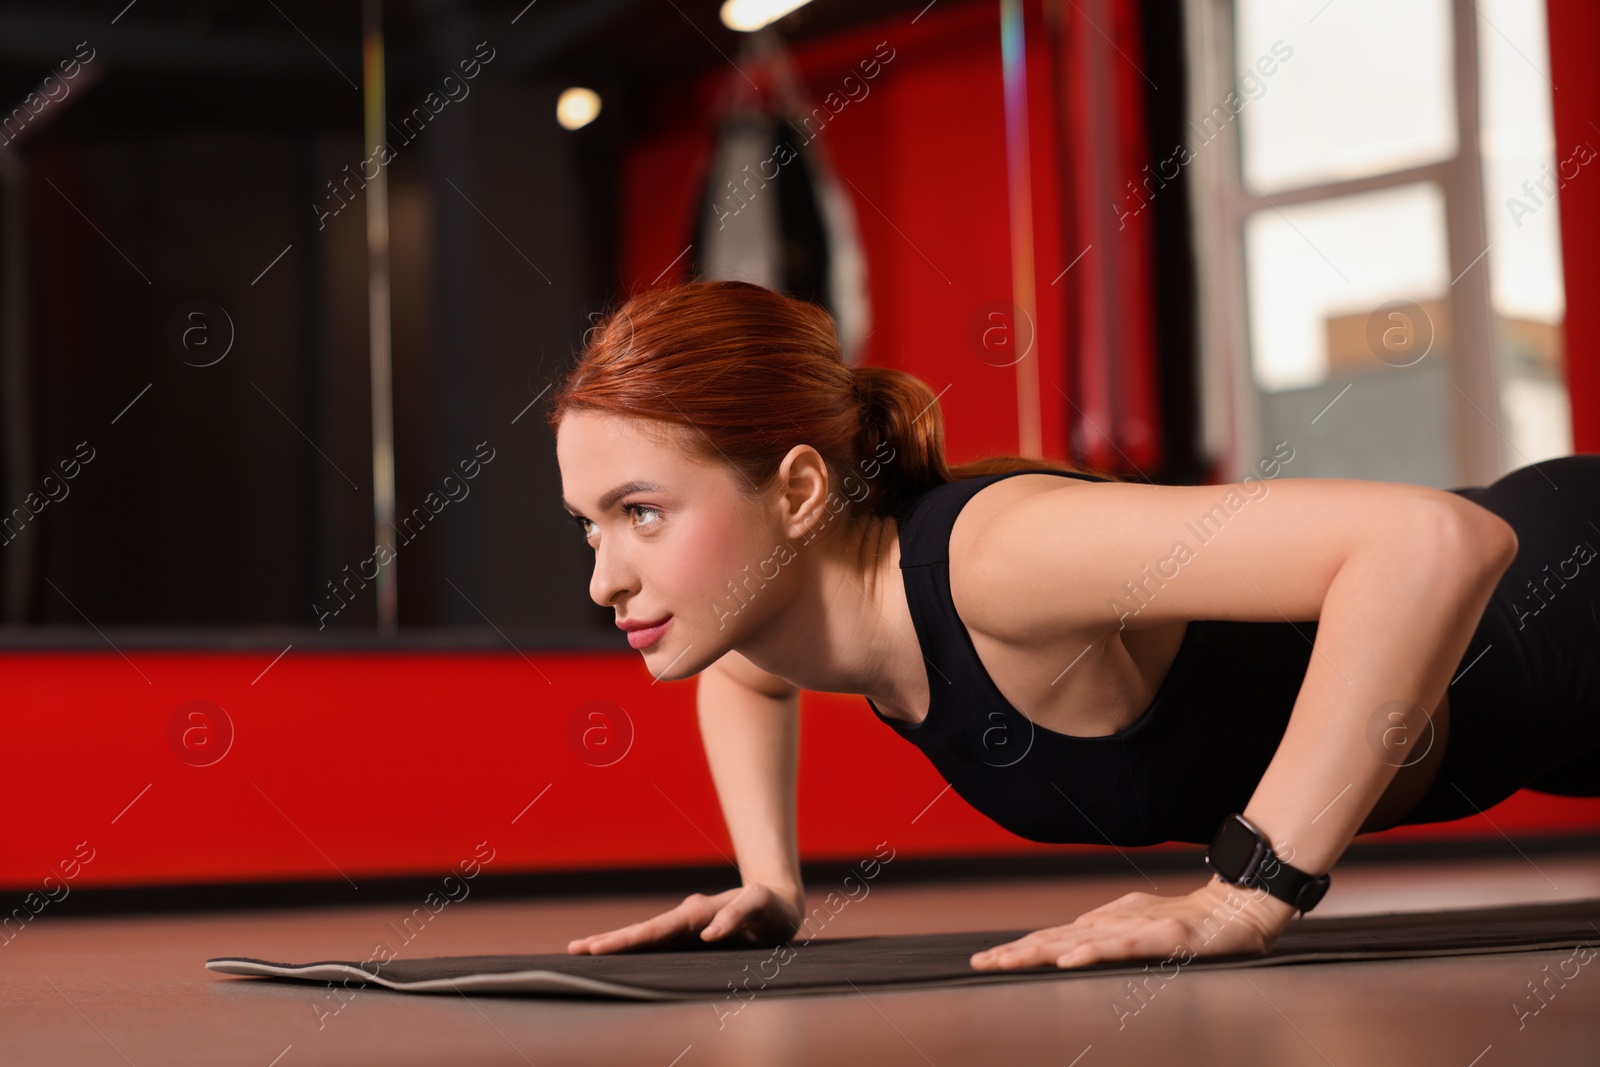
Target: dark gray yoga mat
[843, 964]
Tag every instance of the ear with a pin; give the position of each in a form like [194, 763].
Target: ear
[803, 490]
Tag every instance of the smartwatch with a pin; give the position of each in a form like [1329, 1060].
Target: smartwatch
[1242, 856]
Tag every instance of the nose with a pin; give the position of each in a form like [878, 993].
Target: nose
[612, 576]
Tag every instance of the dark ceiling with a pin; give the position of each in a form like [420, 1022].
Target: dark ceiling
[170, 61]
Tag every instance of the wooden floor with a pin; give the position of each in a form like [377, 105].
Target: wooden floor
[134, 990]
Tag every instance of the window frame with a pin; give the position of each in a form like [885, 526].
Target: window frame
[1223, 201]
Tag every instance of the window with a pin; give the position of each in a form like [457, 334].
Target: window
[1376, 190]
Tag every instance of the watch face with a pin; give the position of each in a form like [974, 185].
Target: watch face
[1234, 849]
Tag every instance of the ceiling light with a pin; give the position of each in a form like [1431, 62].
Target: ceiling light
[751, 15]
[577, 107]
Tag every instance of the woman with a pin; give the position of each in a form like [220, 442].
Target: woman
[1271, 666]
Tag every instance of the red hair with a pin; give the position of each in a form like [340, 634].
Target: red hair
[749, 373]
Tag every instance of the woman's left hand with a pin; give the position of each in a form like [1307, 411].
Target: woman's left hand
[1217, 919]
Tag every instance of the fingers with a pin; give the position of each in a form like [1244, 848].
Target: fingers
[755, 911]
[1134, 927]
[685, 919]
[640, 933]
[1078, 945]
[1014, 953]
[749, 902]
[1105, 949]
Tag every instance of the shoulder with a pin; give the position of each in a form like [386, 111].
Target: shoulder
[983, 601]
[993, 500]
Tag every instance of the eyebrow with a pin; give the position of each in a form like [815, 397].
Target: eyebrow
[610, 499]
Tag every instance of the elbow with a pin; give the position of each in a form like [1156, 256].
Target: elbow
[1509, 546]
[1473, 536]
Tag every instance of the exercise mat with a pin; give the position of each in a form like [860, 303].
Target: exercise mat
[844, 964]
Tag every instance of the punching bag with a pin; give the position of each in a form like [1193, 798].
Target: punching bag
[771, 210]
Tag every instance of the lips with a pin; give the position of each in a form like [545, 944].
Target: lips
[648, 634]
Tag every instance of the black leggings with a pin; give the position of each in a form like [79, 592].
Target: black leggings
[1525, 702]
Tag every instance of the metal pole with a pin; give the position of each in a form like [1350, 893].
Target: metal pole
[18, 424]
[1479, 455]
[378, 316]
[1030, 438]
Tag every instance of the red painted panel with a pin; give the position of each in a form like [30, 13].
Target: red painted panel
[1574, 26]
[1112, 341]
[366, 765]
[922, 156]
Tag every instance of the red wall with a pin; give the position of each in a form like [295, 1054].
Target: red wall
[925, 154]
[365, 765]
[1574, 27]
[389, 764]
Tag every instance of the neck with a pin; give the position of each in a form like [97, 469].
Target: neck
[844, 626]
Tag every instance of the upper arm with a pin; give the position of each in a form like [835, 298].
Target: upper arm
[734, 665]
[1129, 555]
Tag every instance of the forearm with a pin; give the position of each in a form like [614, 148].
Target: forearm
[752, 744]
[1394, 625]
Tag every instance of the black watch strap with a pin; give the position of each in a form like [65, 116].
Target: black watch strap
[1241, 854]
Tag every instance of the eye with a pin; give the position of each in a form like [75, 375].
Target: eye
[583, 524]
[636, 508]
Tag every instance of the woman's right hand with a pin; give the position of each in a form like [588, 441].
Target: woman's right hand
[752, 915]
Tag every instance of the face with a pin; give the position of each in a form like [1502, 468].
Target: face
[670, 542]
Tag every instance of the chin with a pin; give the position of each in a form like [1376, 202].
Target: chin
[677, 672]
[675, 663]
[664, 656]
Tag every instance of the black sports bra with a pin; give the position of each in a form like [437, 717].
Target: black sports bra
[1194, 755]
